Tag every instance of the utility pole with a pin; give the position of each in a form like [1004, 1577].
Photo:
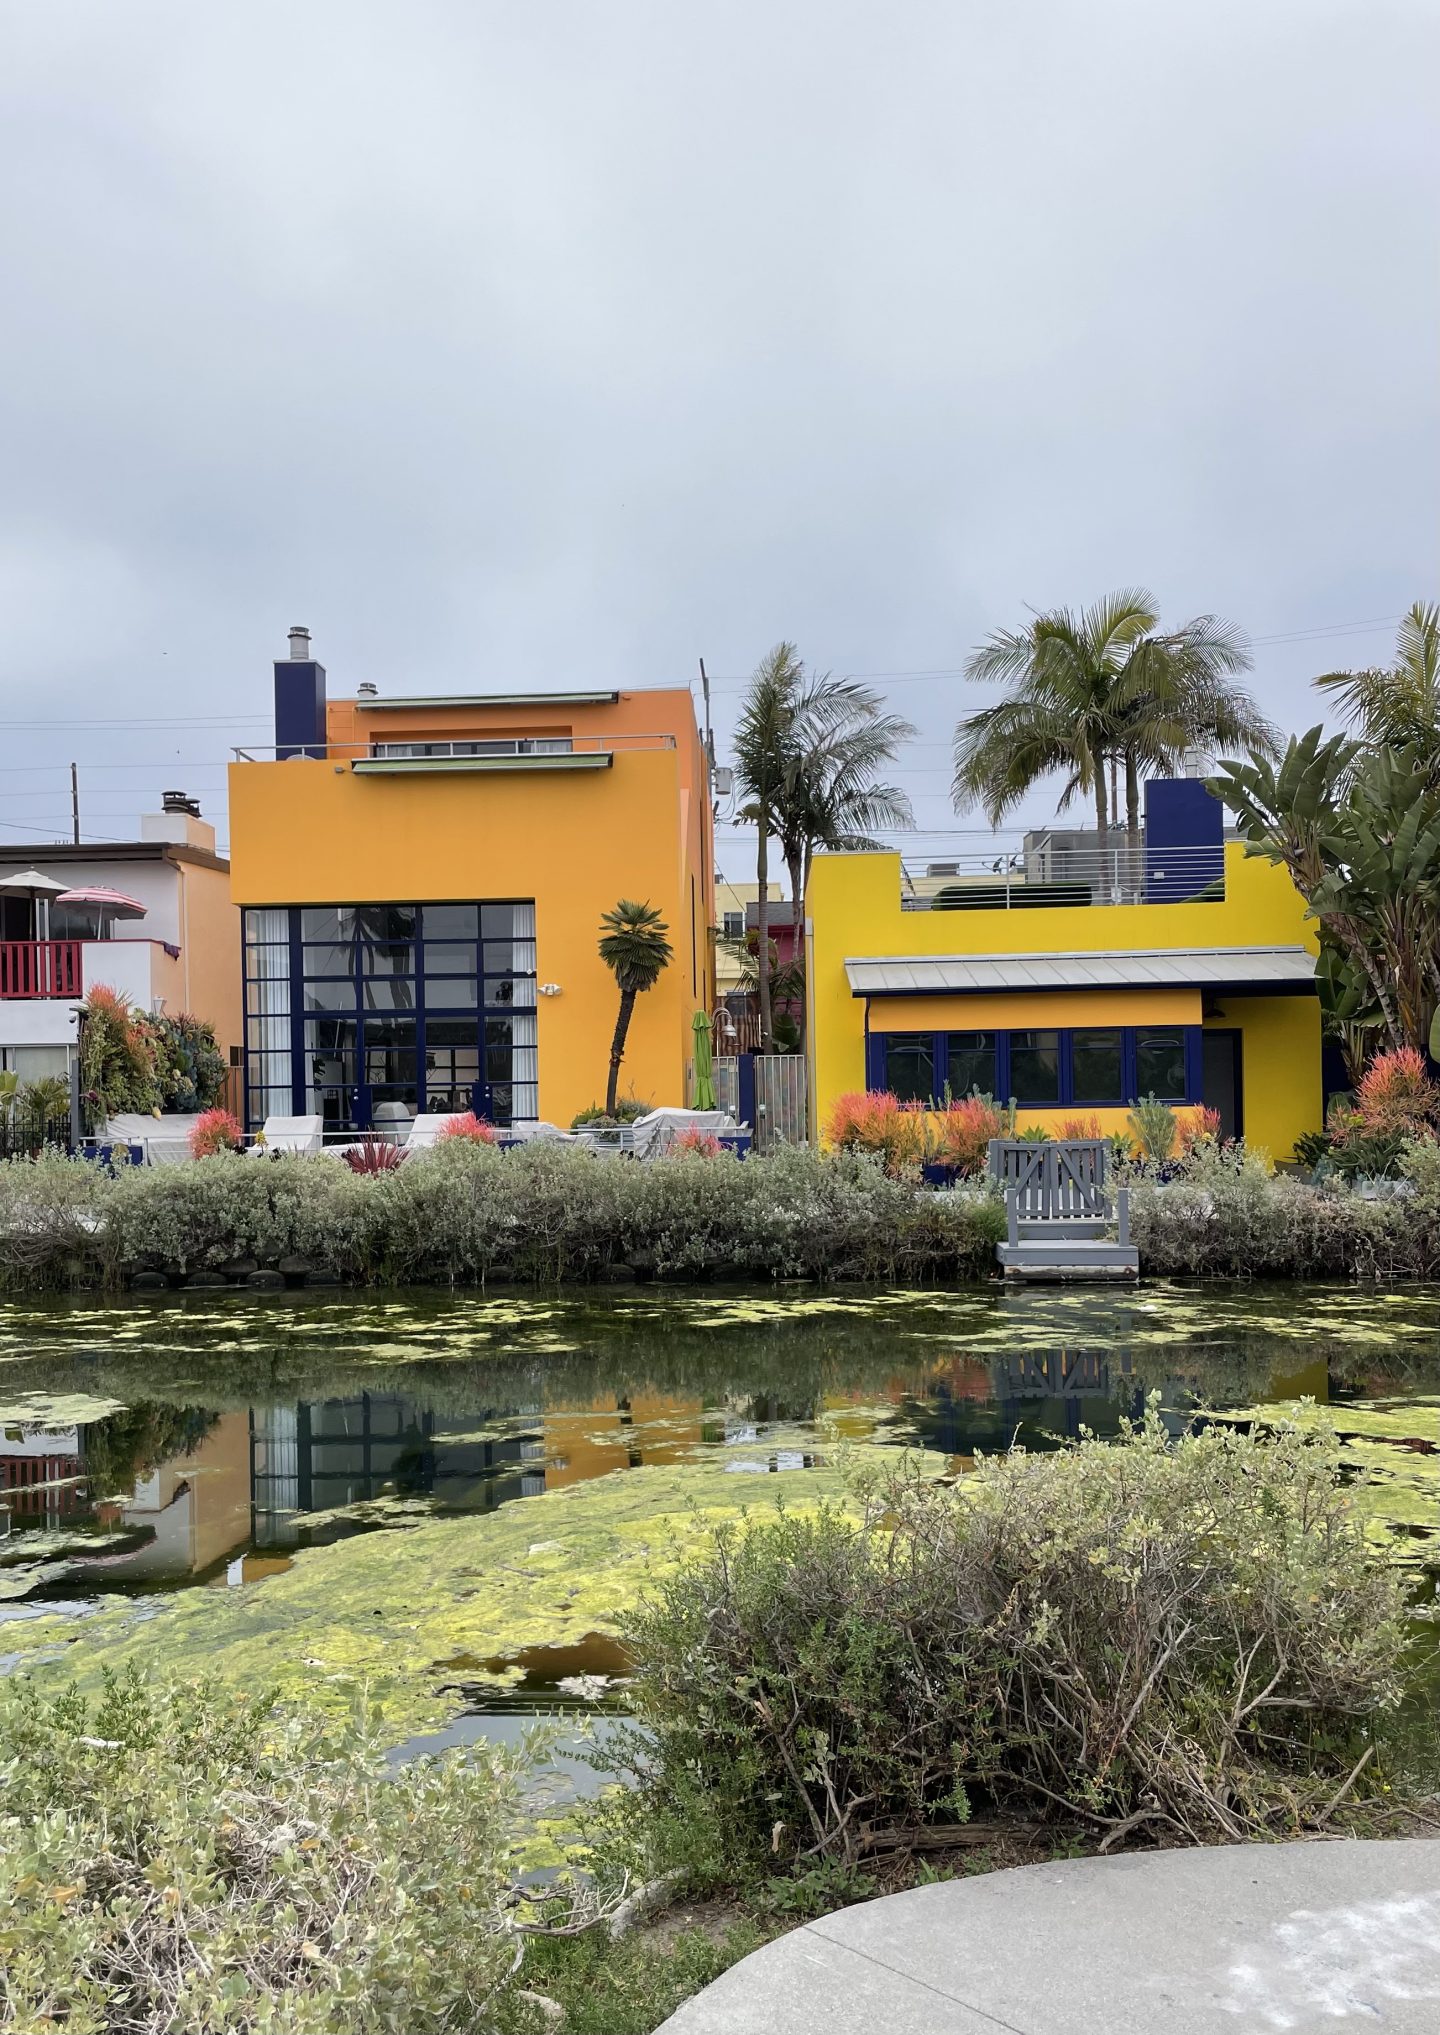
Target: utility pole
[709, 737]
[75, 804]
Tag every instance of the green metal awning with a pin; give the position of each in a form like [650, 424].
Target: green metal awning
[430, 766]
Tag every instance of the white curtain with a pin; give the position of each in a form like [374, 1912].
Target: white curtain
[525, 1061]
[267, 938]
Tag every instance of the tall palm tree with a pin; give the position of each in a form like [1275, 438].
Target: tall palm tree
[1060, 717]
[1176, 694]
[807, 750]
[1099, 691]
[1399, 707]
[763, 739]
[635, 948]
[829, 794]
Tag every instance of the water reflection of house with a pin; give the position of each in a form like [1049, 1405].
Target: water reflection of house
[40, 1473]
[196, 1506]
[325, 1454]
[184, 1516]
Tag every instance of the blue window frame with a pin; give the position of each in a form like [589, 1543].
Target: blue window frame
[366, 1012]
[1084, 1066]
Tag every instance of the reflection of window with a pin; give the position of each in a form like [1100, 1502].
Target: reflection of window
[1160, 1065]
[972, 1063]
[1097, 1070]
[910, 1066]
[1035, 1068]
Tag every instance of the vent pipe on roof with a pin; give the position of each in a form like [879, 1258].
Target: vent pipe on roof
[299, 646]
[180, 802]
[366, 691]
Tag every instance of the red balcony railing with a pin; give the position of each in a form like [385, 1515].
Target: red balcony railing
[40, 968]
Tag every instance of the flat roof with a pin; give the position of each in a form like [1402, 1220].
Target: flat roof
[1286, 969]
[22, 854]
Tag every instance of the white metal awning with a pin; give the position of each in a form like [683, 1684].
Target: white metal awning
[1257, 968]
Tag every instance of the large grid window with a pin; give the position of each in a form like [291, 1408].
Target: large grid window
[369, 1014]
[1090, 1066]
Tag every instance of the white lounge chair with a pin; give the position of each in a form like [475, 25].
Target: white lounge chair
[657, 1131]
[165, 1140]
[301, 1134]
[425, 1130]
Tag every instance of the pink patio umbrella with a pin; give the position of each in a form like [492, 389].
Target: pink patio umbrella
[107, 904]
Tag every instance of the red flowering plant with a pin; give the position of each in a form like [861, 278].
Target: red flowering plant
[466, 1127]
[373, 1155]
[215, 1130]
[894, 1131]
[697, 1142]
[1396, 1101]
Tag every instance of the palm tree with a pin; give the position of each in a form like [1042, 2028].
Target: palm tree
[1099, 690]
[807, 750]
[830, 796]
[1176, 695]
[763, 738]
[635, 948]
[1399, 707]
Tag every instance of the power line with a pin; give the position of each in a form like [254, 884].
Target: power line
[1316, 632]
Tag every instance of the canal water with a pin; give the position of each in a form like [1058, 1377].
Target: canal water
[153, 1451]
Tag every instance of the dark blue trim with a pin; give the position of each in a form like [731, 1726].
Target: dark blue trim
[1193, 1035]
[299, 1086]
[1194, 1064]
[434, 997]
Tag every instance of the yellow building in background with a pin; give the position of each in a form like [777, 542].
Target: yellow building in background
[422, 881]
[1198, 986]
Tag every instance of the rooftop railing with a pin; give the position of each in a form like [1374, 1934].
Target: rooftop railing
[1062, 873]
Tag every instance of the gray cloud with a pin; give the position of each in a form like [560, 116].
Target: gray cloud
[512, 345]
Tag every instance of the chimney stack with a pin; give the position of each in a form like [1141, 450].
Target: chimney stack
[299, 700]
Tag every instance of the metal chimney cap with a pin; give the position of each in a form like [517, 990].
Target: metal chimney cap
[300, 645]
[180, 802]
[366, 691]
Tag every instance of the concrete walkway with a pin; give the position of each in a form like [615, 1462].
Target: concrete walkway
[1282, 1939]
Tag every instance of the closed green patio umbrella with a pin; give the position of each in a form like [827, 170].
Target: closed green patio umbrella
[704, 1063]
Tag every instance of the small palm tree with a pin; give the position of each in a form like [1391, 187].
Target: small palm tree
[635, 947]
[1399, 707]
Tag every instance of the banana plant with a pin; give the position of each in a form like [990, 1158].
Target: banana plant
[1358, 829]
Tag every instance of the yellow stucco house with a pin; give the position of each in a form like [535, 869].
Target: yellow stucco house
[1183, 969]
[422, 881]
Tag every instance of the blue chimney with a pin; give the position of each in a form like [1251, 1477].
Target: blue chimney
[299, 700]
[1184, 841]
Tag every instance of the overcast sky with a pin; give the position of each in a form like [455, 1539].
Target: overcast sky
[541, 345]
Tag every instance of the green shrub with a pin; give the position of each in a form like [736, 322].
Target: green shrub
[117, 1053]
[189, 1066]
[1228, 1216]
[182, 1858]
[465, 1212]
[1154, 1127]
[1193, 1639]
[628, 1110]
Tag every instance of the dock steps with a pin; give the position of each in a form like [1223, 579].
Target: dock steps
[1062, 1221]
